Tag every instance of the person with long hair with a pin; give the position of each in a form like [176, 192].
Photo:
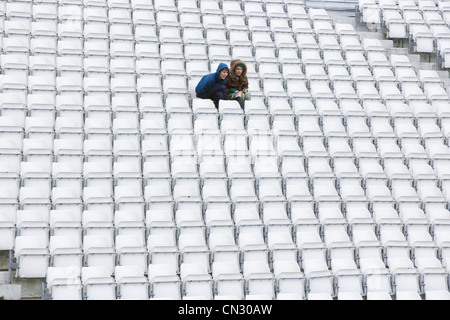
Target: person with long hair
[237, 82]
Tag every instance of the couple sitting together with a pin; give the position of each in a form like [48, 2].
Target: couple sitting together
[225, 84]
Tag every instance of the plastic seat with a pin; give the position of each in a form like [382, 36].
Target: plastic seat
[64, 283]
[259, 279]
[422, 37]
[131, 251]
[10, 152]
[407, 286]
[98, 284]
[161, 243]
[34, 198]
[128, 222]
[351, 189]
[324, 187]
[14, 64]
[193, 249]
[228, 280]
[320, 285]
[250, 239]
[44, 11]
[100, 199]
[164, 282]
[197, 282]
[10, 176]
[98, 174]
[131, 283]
[371, 259]
[290, 280]
[164, 6]
[235, 147]
[68, 156]
[129, 198]
[65, 223]
[99, 253]
[65, 251]
[426, 258]
[351, 285]
[32, 257]
[379, 286]
[67, 198]
[435, 285]
[242, 188]
[282, 246]
[7, 231]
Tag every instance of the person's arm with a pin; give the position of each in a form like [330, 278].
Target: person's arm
[231, 86]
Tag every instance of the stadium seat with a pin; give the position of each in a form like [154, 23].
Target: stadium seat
[197, 282]
[164, 282]
[131, 251]
[131, 283]
[32, 257]
[259, 279]
[379, 286]
[434, 285]
[64, 283]
[65, 251]
[97, 283]
[407, 285]
[228, 280]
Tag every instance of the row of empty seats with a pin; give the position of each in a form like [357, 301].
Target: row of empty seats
[253, 136]
[228, 283]
[326, 248]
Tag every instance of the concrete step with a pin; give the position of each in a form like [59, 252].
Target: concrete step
[26, 288]
[31, 287]
[393, 46]
[4, 277]
[10, 292]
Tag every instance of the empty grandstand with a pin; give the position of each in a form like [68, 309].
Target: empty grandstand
[117, 182]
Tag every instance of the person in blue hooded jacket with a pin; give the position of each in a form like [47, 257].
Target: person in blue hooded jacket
[212, 86]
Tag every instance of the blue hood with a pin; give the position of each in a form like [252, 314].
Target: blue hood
[220, 67]
[210, 80]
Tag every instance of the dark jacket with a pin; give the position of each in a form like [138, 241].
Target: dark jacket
[210, 80]
[233, 82]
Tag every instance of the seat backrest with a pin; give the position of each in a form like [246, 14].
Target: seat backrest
[92, 273]
[28, 242]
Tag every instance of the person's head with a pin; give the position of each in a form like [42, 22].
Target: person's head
[238, 70]
[223, 73]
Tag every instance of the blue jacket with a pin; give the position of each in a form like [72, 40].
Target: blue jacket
[210, 80]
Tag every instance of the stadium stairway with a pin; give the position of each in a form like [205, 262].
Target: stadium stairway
[420, 60]
[8, 290]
